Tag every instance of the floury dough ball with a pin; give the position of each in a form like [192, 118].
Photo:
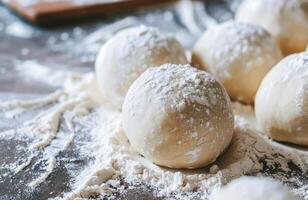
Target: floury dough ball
[178, 116]
[253, 188]
[239, 55]
[129, 53]
[281, 104]
[284, 19]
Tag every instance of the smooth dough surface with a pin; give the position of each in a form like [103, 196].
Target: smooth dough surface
[178, 116]
[129, 53]
[239, 55]
[253, 188]
[284, 19]
[281, 104]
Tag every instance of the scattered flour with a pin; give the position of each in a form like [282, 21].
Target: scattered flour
[240, 42]
[19, 29]
[45, 126]
[115, 161]
[88, 45]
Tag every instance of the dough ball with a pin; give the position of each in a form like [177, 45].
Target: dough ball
[239, 55]
[284, 19]
[178, 116]
[129, 53]
[253, 188]
[281, 103]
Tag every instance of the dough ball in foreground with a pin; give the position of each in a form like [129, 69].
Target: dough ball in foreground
[253, 188]
[239, 55]
[178, 116]
[129, 53]
[281, 104]
[284, 19]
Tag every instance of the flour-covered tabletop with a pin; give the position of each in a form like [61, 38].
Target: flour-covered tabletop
[56, 143]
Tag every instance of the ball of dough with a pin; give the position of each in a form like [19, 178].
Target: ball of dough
[284, 19]
[129, 53]
[178, 116]
[281, 104]
[253, 188]
[239, 55]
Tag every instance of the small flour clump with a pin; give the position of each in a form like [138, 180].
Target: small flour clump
[20, 30]
[253, 188]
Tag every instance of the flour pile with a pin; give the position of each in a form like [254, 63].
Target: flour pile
[116, 161]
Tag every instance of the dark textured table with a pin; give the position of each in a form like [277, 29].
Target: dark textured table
[60, 47]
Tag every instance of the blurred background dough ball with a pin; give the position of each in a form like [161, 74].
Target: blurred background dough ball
[129, 53]
[237, 54]
[253, 188]
[178, 116]
[281, 104]
[284, 19]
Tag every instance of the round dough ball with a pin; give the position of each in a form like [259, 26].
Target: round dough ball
[284, 19]
[281, 104]
[239, 55]
[178, 116]
[129, 53]
[253, 188]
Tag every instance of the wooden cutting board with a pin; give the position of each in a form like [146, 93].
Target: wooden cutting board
[52, 11]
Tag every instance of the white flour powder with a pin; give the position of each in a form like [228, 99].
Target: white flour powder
[115, 163]
[116, 167]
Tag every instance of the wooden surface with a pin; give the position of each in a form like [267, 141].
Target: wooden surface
[42, 12]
